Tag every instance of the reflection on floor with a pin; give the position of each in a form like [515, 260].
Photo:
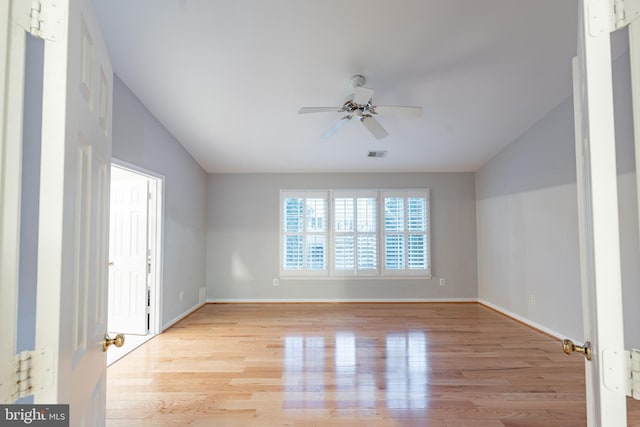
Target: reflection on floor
[405, 371]
[349, 365]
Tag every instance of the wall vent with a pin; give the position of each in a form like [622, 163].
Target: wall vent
[377, 154]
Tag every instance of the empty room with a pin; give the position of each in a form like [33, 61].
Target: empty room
[304, 213]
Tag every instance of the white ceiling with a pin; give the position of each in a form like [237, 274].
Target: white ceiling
[226, 77]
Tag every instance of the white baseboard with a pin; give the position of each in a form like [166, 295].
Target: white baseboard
[526, 321]
[181, 316]
[337, 300]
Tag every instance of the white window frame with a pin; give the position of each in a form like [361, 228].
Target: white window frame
[305, 194]
[406, 271]
[355, 194]
[381, 272]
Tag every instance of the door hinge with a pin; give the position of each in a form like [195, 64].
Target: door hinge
[46, 19]
[633, 373]
[23, 378]
[624, 12]
[33, 373]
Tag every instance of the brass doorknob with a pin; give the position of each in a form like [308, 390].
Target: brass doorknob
[118, 341]
[569, 347]
[110, 263]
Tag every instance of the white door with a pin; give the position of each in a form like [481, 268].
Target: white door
[598, 218]
[12, 56]
[71, 316]
[128, 253]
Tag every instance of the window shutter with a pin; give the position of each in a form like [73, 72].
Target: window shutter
[304, 232]
[293, 227]
[417, 228]
[340, 235]
[406, 232]
[367, 233]
[316, 238]
[355, 234]
[344, 247]
[394, 233]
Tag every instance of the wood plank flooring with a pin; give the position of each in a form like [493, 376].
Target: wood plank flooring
[426, 364]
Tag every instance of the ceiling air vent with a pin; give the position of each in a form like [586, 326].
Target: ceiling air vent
[377, 154]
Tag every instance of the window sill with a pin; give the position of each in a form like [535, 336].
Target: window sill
[341, 278]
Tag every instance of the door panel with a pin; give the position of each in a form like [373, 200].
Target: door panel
[128, 254]
[598, 217]
[74, 200]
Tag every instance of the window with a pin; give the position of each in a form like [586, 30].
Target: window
[355, 233]
[304, 236]
[355, 240]
[406, 244]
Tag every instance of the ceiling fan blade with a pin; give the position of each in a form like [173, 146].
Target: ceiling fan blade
[305, 110]
[363, 95]
[399, 110]
[329, 132]
[374, 127]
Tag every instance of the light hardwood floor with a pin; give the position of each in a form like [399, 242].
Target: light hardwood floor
[425, 364]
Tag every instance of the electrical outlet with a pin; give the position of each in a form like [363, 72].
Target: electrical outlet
[532, 299]
[276, 282]
[442, 282]
[181, 295]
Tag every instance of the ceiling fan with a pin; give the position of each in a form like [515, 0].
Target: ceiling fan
[359, 105]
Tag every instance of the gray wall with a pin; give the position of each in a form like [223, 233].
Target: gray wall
[243, 238]
[527, 220]
[139, 139]
[29, 203]
[627, 201]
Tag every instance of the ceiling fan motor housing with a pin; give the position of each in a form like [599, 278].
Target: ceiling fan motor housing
[358, 80]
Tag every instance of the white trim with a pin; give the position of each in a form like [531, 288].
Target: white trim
[181, 316]
[361, 277]
[139, 169]
[527, 322]
[336, 300]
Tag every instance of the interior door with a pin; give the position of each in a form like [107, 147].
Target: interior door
[71, 314]
[128, 252]
[598, 218]
[12, 57]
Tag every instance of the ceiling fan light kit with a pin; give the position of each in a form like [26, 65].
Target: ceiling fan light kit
[360, 106]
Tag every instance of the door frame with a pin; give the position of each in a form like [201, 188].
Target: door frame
[156, 240]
